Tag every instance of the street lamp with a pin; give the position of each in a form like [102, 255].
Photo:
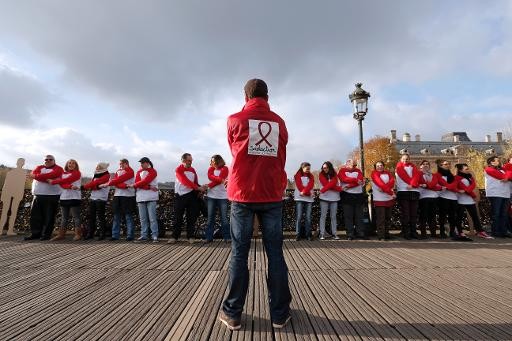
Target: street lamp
[359, 98]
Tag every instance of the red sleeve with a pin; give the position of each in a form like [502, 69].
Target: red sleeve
[347, 179]
[310, 184]
[385, 187]
[118, 181]
[298, 182]
[217, 180]
[451, 187]
[144, 183]
[181, 177]
[495, 173]
[467, 189]
[55, 173]
[507, 167]
[329, 184]
[433, 184]
[67, 183]
[94, 183]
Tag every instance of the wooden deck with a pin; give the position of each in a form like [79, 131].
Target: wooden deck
[434, 290]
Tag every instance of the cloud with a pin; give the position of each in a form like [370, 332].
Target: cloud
[23, 99]
[162, 57]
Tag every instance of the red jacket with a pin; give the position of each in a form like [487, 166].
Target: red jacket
[449, 186]
[257, 138]
[388, 187]
[351, 182]
[433, 185]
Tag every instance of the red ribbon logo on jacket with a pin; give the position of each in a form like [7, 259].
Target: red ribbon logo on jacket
[264, 136]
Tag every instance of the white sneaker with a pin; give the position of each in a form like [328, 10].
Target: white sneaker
[322, 238]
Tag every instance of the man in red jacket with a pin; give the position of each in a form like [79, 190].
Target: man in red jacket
[46, 199]
[257, 138]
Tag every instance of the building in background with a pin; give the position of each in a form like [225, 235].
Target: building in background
[453, 146]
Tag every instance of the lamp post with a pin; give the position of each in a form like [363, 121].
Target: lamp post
[359, 98]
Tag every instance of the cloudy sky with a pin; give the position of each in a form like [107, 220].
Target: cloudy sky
[100, 80]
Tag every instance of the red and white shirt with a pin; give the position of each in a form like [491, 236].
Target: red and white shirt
[468, 186]
[186, 180]
[41, 175]
[216, 187]
[383, 184]
[407, 174]
[67, 181]
[350, 180]
[96, 192]
[145, 180]
[304, 183]
[432, 188]
[122, 178]
[494, 186]
[450, 191]
[331, 188]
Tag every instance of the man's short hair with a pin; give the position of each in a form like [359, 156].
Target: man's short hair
[256, 88]
[185, 156]
[124, 161]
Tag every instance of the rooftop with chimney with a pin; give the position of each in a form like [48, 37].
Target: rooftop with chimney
[451, 144]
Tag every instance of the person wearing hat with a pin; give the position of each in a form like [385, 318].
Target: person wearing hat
[124, 199]
[97, 200]
[146, 195]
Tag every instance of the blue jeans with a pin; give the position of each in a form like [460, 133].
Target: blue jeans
[222, 204]
[499, 209]
[332, 206]
[116, 225]
[242, 218]
[147, 215]
[301, 206]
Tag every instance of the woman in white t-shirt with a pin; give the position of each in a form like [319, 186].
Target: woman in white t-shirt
[217, 196]
[303, 195]
[329, 197]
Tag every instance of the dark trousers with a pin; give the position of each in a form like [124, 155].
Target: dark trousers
[499, 210]
[448, 208]
[428, 208]
[408, 202]
[471, 209]
[42, 215]
[352, 205]
[189, 204]
[242, 218]
[383, 220]
[96, 210]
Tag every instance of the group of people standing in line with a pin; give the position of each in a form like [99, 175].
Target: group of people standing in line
[53, 186]
[422, 197]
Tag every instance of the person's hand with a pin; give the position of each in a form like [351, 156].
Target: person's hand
[153, 188]
[31, 176]
[75, 187]
[129, 186]
[49, 181]
[461, 191]
[102, 186]
[201, 189]
[423, 185]
[409, 187]
[393, 196]
[504, 180]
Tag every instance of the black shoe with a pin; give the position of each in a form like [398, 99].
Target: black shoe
[297, 238]
[100, 238]
[45, 238]
[112, 239]
[350, 238]
[310, 238]
[129, 239]
[31, 237]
